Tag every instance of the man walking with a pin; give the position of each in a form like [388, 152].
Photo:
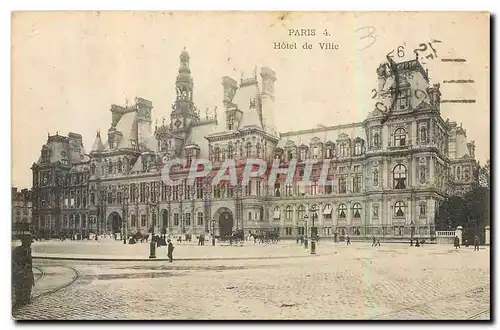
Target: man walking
[476, 243]
[348, 240]
[22, 272]
[374, 242]
[170, 250]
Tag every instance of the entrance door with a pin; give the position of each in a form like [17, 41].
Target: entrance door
[116, 222]
[225, 223]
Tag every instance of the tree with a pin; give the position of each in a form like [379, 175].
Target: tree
[472, 211]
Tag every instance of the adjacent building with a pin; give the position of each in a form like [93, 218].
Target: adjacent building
[21, 210]
[386, 175]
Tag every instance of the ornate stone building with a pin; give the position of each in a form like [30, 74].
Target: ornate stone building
[386, 175]
[21, 210]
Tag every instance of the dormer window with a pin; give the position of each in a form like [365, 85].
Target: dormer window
[216, 154]
[357, 148]
[303, 154]
[316, 152]
[343, 150]
[230, 151]
[252, 102]
[231, 122]
[329, 152]
[404, 98]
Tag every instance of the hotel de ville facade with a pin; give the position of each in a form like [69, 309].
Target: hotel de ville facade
[387, 174]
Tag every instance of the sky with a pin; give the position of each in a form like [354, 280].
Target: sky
[69, 67]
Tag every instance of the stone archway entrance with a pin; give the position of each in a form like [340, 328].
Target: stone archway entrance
[115, 221]
[226, 221]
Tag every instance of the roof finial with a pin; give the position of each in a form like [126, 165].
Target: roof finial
[163, 121]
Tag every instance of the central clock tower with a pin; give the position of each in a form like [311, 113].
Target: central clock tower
[183, 110]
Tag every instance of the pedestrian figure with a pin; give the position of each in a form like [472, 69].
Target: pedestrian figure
[417, 243]
[374, 242]
[378, 242]
[170, 250]
[348, 240]
[476, 243]
[22, 272]
[457, 242]
[411, 241]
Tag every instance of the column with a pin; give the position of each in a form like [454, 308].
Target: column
[294, 221]
[431, 170]
[282, 219]
[320, 219]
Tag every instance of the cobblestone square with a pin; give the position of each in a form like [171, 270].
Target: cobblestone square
[394, 281]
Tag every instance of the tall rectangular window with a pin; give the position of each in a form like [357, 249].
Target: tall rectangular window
[199, 189]
[356, 184]
[342, 186]
[200, 219]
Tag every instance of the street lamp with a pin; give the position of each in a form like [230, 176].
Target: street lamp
[153, 202]
[125, 213]
[213, 232]
[313, 230]
[306, 242]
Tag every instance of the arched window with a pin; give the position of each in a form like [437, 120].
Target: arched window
[400, 137]
[133, 220]
[276, 213]
[399, 209]
[92, 169]
[458, 173]
[375, 178]
[216, 154]
[423, 135]
[119, 165]
[248, 149]
[399, 176]
[301, 211]
[356, 208]
[230, 151]
[289, 212]
[342, 211]
[258, 149]
[376, 139]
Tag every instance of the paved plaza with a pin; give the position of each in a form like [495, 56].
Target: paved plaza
[394, 281]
